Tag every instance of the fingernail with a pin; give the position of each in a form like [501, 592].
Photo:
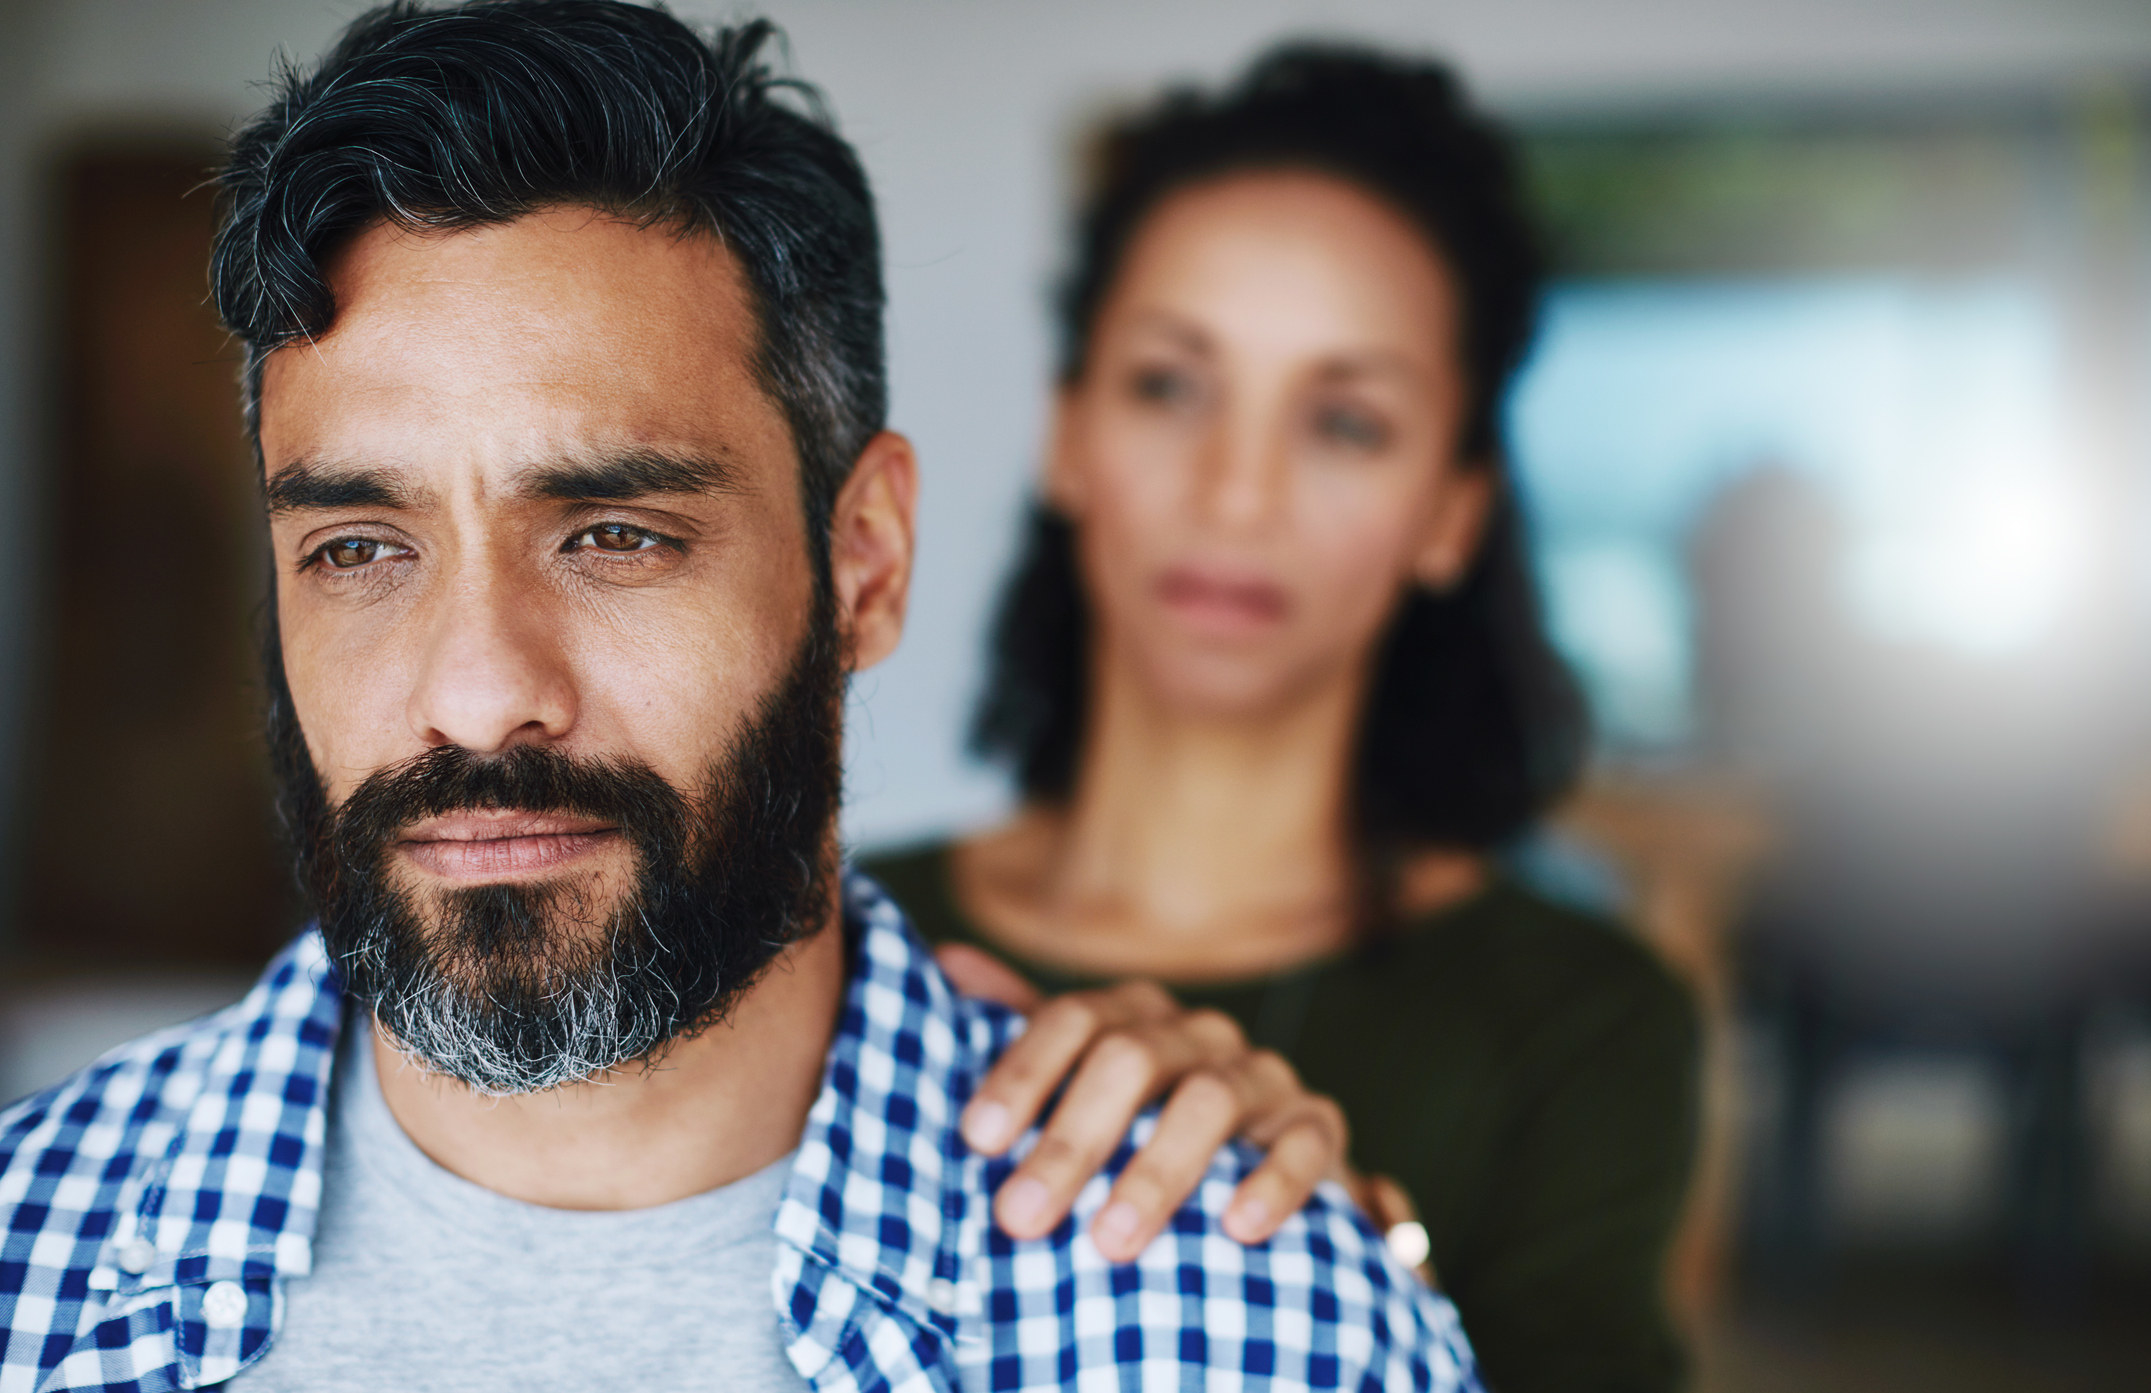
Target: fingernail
[985, 1124]
[1023, 1202]
[1246, 1217]
[1117, 1224]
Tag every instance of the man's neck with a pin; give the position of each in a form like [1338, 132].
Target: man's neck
[717, 1108]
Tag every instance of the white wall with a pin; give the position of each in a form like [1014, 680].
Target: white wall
[962, 109]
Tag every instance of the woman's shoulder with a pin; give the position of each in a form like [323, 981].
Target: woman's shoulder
[916, 876]
[1527, 957]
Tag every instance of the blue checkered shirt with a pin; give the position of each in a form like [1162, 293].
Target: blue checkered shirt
[155, 1205]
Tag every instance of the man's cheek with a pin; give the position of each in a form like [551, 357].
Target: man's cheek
[345, 739]
[675, 702]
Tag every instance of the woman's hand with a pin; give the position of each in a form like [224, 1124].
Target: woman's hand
[1119, 1049]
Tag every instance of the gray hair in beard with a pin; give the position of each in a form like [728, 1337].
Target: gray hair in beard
[518, 988]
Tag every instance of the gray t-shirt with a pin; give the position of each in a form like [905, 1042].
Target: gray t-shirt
[425, 1281]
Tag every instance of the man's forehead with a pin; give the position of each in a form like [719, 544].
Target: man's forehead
[564, 327]
[559, 251]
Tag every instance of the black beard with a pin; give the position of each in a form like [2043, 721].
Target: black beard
[520, 987]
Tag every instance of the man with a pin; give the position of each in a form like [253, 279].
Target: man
[563, 363]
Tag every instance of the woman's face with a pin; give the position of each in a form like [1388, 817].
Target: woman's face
[1261, 451]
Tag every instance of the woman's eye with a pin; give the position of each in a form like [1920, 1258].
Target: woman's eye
[617, 537]
[1162, 386]
[1359, 430]
[350, 553]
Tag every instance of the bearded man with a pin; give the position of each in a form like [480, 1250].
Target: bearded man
[563, 362]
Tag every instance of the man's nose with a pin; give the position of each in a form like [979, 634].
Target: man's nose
[494, 674]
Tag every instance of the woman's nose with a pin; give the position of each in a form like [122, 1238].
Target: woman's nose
[1240, 480]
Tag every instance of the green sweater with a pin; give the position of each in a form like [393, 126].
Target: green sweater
[1528, 1073]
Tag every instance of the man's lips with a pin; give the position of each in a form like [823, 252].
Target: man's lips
[493, 845]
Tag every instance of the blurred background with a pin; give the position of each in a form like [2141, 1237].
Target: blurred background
[1837, 449]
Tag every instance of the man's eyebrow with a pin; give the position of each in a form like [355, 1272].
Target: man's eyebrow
[629, 474]
[307, 485]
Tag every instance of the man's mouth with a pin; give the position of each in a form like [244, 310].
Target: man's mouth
[479, 845]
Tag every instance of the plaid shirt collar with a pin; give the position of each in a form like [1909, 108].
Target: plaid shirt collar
[155, 1205]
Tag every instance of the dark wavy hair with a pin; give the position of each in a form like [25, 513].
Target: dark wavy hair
[480, 113]
[1473, 725]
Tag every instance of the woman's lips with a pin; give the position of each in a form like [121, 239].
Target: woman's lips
[493, 845]
[1214, 600]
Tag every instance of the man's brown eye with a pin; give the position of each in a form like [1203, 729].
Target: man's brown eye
[351, 552]
[616, 536]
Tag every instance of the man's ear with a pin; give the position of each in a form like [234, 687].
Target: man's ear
[1457, 525]
[1065, 484]
[873, 532]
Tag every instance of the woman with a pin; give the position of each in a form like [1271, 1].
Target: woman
[1271, 677]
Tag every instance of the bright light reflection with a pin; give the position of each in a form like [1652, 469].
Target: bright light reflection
[1932, 414]
[1989, 572]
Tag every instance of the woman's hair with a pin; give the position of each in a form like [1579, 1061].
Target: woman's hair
[1473, 725]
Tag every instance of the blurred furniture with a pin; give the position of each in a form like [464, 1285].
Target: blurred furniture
[1704, 856]
[1938, 896]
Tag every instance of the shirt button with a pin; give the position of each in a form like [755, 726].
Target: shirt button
[941, 1295]
[224, 1305]
[137, 1255]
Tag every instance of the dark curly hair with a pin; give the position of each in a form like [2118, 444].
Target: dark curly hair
[1473, 725]
[479, 113]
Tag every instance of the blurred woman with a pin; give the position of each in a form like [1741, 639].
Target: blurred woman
[1271, 676]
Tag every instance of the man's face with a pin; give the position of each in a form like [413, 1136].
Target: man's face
[542, 567]
[472, 557]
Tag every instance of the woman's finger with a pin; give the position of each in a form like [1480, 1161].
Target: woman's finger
[976, 972]
[1208, 1108]
[1274, 1098]
[1123, 1071]
[1306, 1150]
[1011, 1096]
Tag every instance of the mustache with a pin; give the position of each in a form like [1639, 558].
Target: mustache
[527, 778]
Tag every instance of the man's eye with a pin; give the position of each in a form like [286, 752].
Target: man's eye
[350, 553]
[617, 537]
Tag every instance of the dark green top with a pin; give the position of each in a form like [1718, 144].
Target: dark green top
[1528, 1073]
